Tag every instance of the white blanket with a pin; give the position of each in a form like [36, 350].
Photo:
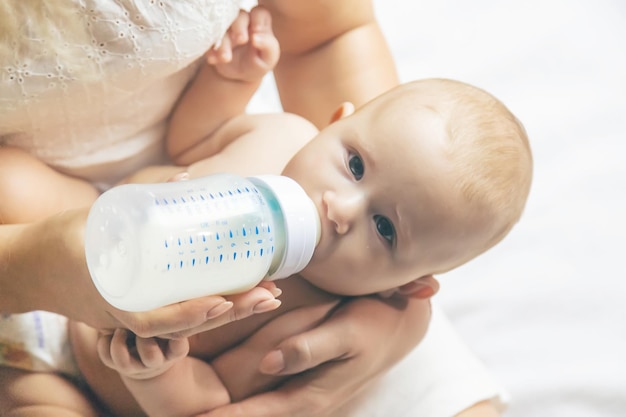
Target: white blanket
[546, 309]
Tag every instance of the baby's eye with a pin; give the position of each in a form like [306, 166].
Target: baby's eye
[385, 228]
[356, 166]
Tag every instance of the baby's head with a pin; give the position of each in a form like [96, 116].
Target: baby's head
[416, 182]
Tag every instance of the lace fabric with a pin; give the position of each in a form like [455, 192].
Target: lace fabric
[103, 122]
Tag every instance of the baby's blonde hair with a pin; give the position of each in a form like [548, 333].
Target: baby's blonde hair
[490, 152]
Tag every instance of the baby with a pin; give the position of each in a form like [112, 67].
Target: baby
[416, 182]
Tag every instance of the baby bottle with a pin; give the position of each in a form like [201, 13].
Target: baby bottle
[148, 245]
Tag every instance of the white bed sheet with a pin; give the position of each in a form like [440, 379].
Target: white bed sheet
[546, 309]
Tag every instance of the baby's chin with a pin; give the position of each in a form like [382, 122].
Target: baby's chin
[333, 282]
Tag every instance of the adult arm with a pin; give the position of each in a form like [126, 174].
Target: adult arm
[331, 51]
[42, 267]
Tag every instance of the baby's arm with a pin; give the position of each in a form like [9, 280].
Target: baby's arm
[163, 379]
[223, 87]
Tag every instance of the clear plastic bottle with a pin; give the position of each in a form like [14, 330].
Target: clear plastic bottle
[148, 245]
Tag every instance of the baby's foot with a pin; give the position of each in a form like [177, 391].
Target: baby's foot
[249, 50]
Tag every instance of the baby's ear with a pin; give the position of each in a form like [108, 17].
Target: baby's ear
[422, 288]
[345, 109]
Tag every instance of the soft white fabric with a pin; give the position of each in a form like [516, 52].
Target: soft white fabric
[104, 127]
[440, 378]
[36, 341]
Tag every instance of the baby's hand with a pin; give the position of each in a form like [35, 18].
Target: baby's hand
[249, 50]
[140, 358]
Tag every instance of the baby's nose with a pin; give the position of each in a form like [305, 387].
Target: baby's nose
[342, 209]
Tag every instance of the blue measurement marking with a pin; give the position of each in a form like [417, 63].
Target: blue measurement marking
[167, 245]
[206, 259]
[247, 254]
[256, 229]
[221, 257]
[230, 233]
[243, 229]
[193, 262]
[169, 266]
[190, 240]
[179, 242]
[181, 263]
[217, 236]
[261, 251]
[234, 255]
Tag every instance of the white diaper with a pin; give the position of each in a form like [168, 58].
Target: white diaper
[36, 341]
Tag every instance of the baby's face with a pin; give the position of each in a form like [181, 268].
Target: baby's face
[382, 185]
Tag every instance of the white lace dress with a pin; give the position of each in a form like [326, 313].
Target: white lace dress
[102, 127]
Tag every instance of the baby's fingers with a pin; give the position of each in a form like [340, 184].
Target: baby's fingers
[262, 37]
[150, 351]
[154, 352]
[176, 349]
[114, 352]
[238, 32]
[104, 349]
[222, 53]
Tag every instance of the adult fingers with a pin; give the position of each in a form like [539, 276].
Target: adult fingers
[295, 399]
[307, 350]
[328, 342]
[200, 314]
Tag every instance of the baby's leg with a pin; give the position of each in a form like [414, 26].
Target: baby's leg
[33, 394]
[31, 190]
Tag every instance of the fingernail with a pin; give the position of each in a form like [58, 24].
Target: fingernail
[425, 292]
[265, 306]
[273, 363]
[276, 292]
[181, 176]
[219, 309]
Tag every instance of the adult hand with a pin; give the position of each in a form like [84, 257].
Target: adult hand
[43, 268]
[360, 340]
